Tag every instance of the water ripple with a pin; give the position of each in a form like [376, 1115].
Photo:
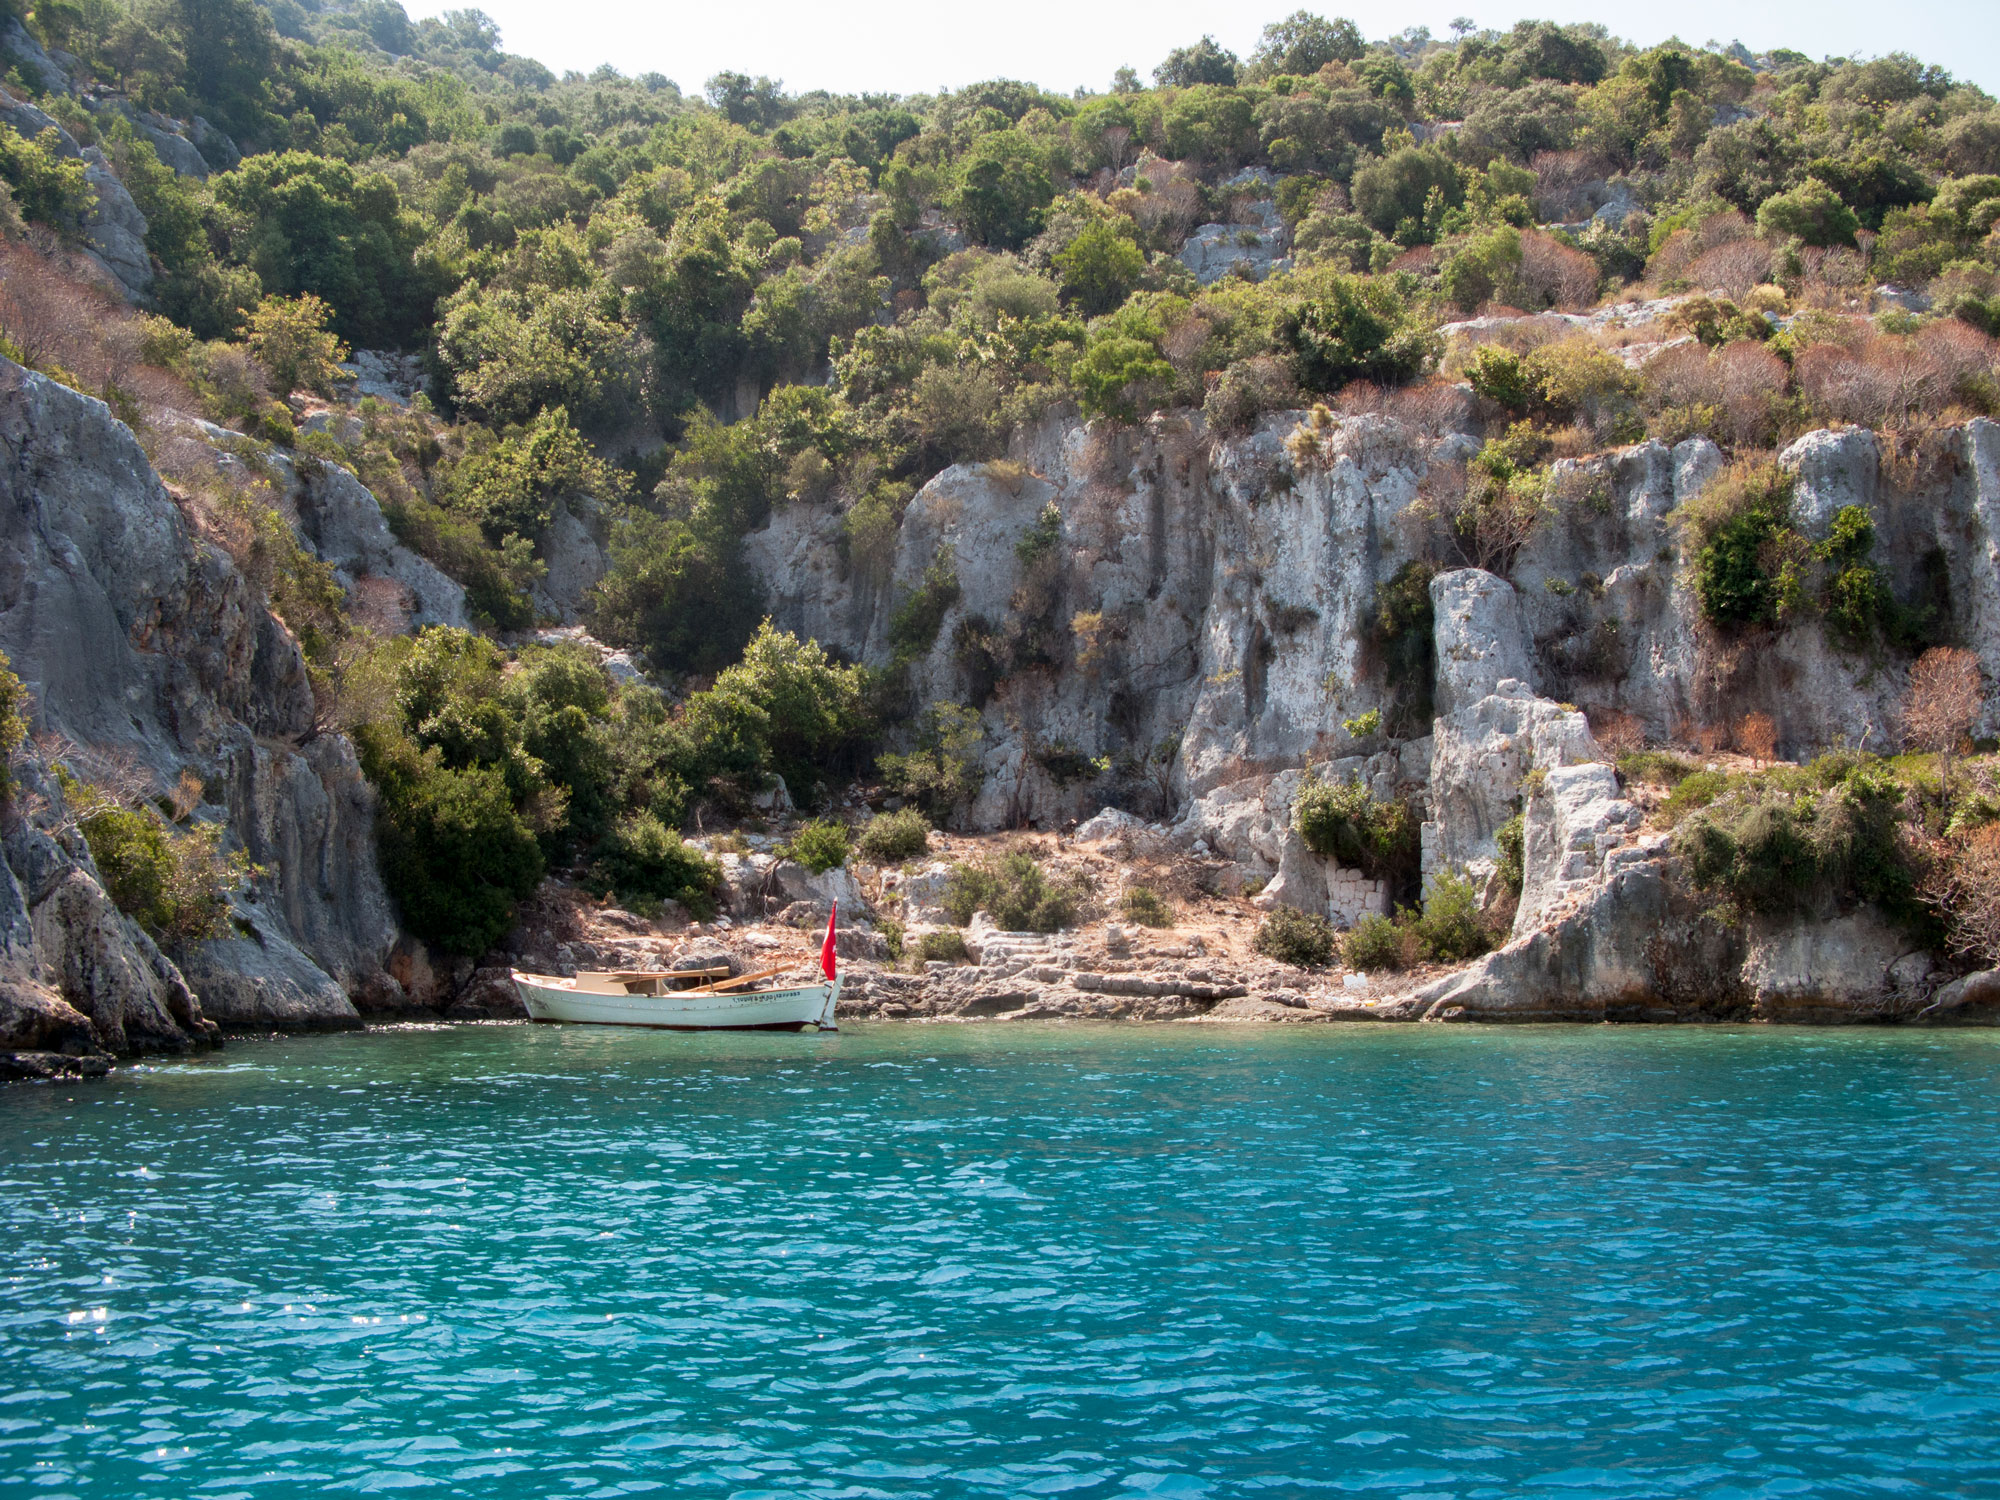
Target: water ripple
[1095, 1262]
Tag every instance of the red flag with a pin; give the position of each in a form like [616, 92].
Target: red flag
[826, 963]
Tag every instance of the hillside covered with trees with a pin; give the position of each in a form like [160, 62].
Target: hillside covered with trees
[699, 309]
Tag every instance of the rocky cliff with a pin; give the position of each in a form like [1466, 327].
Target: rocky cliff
[1207, 608]
[1181, 622]
[145, 649]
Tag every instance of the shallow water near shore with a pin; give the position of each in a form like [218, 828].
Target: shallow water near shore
[1011, 1260]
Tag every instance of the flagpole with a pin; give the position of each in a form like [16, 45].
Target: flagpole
[829, 965]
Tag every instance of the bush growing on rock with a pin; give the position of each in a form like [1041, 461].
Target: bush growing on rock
[890, 838]
[1375, 943]
[13, 721]
[942, 947]
[1142, 904]
[1345, 822]
[175, 884]
[1749, 559]
[821, 845]
[1814, 839]
[1302, 939]
[942, 772]
[1450, 928]
[644, 859]
[1016, 893]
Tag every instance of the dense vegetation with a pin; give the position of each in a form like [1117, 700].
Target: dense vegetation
[693, 309]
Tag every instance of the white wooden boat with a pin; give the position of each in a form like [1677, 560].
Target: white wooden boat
[678, 1000]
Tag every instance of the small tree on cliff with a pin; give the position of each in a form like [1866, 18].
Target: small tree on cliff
[1943, 701]
[290, 338]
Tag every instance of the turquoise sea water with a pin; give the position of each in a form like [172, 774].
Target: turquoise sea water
[959, 1261]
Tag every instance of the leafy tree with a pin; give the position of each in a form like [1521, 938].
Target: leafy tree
[225, 51]
[1395, 194]
[1101, 266]
[1811, 212]
[513, 486]
[1003, 187]
[1303, 43]
[314, 225]
[455, 854]
[289, 337]
[1204, 62]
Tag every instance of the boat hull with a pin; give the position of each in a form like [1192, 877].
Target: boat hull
[753, 1010]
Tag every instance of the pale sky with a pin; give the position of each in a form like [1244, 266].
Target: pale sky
[912, 46]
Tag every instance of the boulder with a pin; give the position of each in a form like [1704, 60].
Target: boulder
[1974, 999]
[261, 981]
[795, 882]
[1835, 470]
[1574, 819]
[99, 961]
[216, 148]
[1632, 951]
[170, 144]
[341, 520]
[115, 230]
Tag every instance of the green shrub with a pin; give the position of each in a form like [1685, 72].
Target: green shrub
[1302, 939]
[942, 947]
[1359, 330]
[1451, 929]
[1362, 726]
[646, 859]
[1142, 904]
[13, 719]
[46, 185]
[1815, 840]
[914, 626]
[1375, 943]
[1343, 821]
[821, 845]
[892, 937]
[176, 885]
[1510, 838]
[1015, 893]
[891, 838]
[454, 853]
[1693, 791]
[1656, 768]
[943, 771]
[1747, 568]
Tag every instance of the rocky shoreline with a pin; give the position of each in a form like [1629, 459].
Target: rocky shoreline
[146, 651]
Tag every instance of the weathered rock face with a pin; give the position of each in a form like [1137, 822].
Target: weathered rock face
[144, 646]
[574, 550]
[1210, 600]
[1574, 818]
[113, 230]
[342, 522]
[1204, 604]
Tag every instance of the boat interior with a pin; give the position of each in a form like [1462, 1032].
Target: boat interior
[715, 981]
